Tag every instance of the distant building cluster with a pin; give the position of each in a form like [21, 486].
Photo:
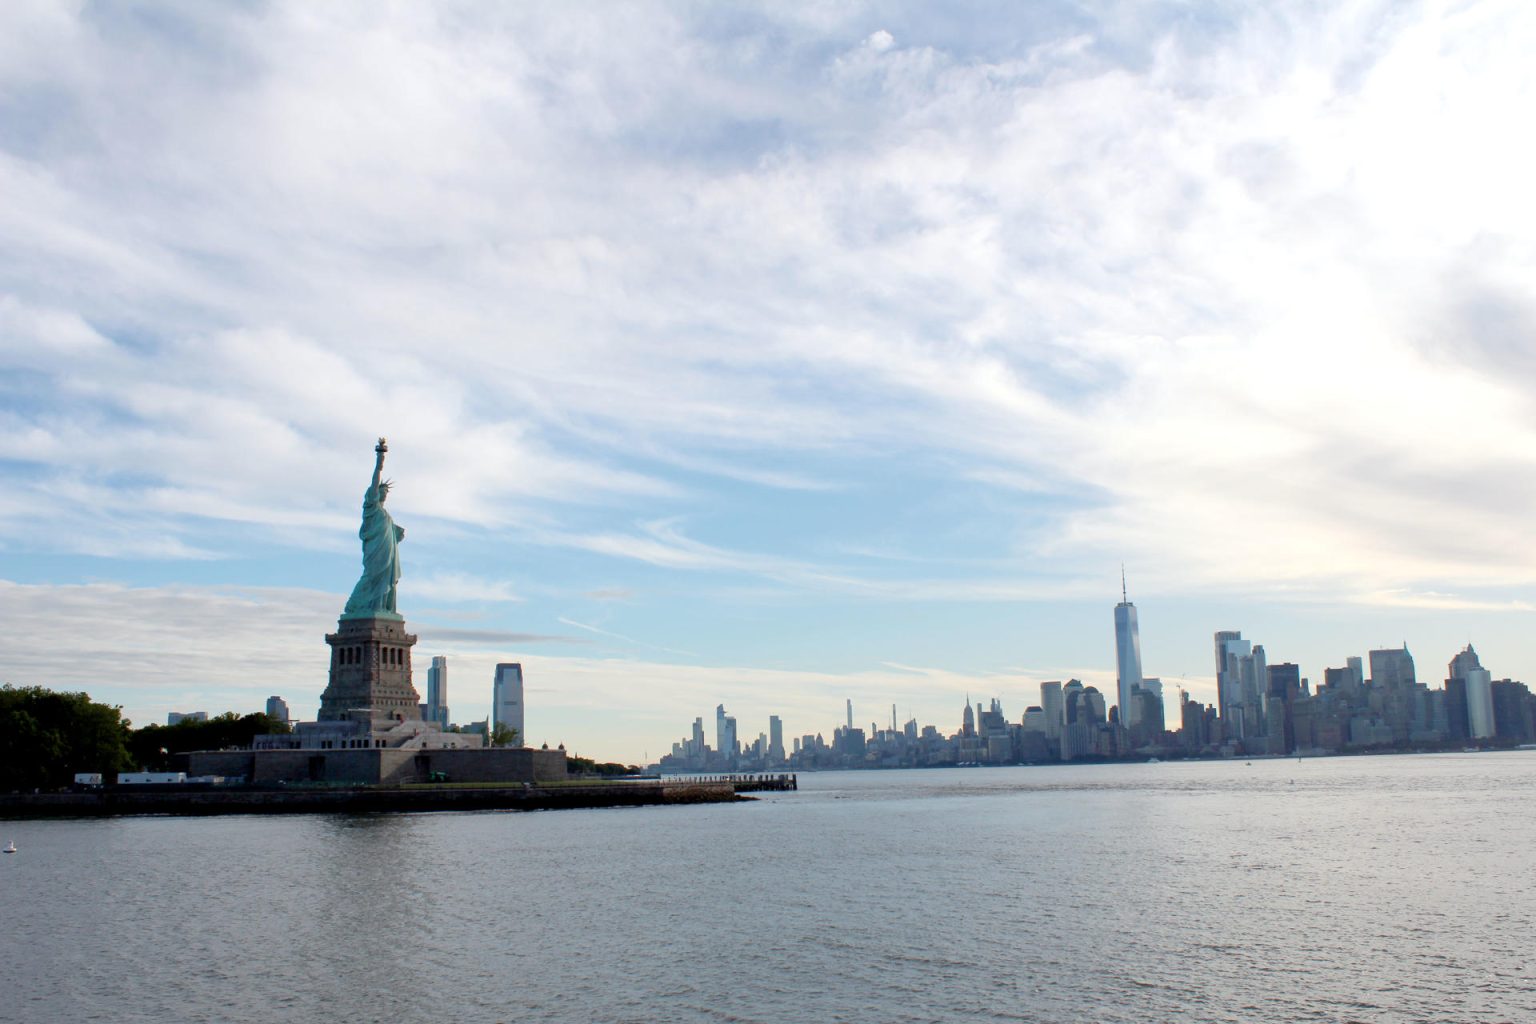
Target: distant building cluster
[1261, 709]
[1271, 709]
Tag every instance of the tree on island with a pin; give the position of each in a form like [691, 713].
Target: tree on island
[503, 736]
[603, 769]
[50, 736]
[155, 747]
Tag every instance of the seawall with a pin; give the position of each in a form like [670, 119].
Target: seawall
[118, 800]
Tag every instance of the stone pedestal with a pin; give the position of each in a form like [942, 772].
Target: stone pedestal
[371, 669]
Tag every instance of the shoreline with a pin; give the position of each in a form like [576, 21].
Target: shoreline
[202, 801]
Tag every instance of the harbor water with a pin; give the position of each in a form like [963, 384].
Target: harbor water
[1334, 889]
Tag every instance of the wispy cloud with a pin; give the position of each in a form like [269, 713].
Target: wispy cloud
[1237, 300]
[458, 586]
[626, 639]
[1439, 602]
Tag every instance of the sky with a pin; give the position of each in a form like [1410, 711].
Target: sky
[763, 355]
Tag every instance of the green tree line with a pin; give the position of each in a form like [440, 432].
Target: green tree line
[49, 736]
[154, 747]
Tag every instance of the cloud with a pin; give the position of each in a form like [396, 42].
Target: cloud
[626, 639]
[1235, 299]
[439, 635]
[1439, 602]
[457, 586]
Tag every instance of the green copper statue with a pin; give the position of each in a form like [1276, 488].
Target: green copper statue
[374, 595]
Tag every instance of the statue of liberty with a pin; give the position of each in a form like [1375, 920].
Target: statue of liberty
[374, 595]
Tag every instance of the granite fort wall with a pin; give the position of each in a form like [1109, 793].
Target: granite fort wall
[376, 766]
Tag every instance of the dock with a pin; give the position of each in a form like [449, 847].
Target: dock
[782, 782]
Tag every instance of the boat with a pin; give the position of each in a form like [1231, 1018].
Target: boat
[11, 847]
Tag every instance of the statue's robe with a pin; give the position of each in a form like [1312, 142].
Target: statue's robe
[375, 590]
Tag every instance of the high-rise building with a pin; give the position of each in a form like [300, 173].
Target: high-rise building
[1051, 705]
[1456, 726]
[1478, 684]
[1192, 723]
[1230, 646]
[850, 713]
[1241, 674]
[729, 748]
[1512, 718]
[698, 738]
[1393, 667]
[277, 709]
[507, 701]
[437, 692]
[1127, 656]
[1151, 717]
[1150, 701]
[775, 738]
[968, 720]
[1070, 697]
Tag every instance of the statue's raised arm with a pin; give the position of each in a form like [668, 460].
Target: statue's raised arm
[374, 594]
[379, 451]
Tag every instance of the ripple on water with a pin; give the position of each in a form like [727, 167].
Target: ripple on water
[1363, 889]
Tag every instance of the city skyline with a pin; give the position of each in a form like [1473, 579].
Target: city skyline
[1270, 711]
[762, 357]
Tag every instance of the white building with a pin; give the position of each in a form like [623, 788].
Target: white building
[507, 700]
[1127, 657]
[277, 709]
[1053, 707]
[1479, 683]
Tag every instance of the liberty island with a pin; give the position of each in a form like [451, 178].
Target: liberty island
[370, 746]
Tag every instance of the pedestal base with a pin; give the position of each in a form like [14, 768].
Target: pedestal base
[371, 670]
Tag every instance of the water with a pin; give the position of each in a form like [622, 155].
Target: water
[1349, 889]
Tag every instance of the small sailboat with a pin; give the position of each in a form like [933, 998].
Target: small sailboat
[11, 846]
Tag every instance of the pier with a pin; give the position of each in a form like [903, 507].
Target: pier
[781, 782]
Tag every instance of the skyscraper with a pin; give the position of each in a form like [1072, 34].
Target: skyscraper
[1127, 656]
[728, 745]
[1479, 690]
[1241, 673]
[507, 701]
[775, 738]
[1230, 646]
[277, 709]
[1051, 704]
[1070, 695]
[1393, 667]
[437, 691]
